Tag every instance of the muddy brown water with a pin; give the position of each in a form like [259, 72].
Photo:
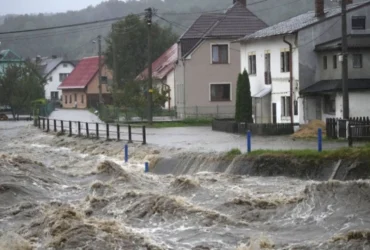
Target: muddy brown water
[71, 193]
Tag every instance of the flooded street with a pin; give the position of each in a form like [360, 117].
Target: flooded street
[75, 193]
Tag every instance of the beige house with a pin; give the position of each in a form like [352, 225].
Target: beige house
[209, 63]
[81, 88]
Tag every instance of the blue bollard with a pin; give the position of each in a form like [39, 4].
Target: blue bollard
[146, 167]
[126, 153]
[319, 139]
[249, 141]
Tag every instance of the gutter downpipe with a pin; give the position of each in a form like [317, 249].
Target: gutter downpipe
[183, 63]
[291, 80]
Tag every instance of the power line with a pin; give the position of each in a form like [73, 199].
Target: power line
[67, 26]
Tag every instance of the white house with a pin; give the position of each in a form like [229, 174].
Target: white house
[296, 64]
[163, 73]
[54, 70]
[268, 63]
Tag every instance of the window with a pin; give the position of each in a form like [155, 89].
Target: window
[70, 99]
[335, 62]
[62, 76]
[357, 60]
[65, 65]
[65, 99]
[54, 95]
[285, 106]
[325, 62]
[329, 104]
[295, 107]
[75, 97]
[82, 98]
[220, 54]
[104, 80]
[285, 61]
[50, 79]
[359, 22]
[252, 65]
[220, 92]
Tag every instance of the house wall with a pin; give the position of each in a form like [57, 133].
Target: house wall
[280, 80]
[357, 104]
[310, 62]
[354, 73]
[69, 99]
[170, 81]
[93, 87]
[194, 75]
[53, 81]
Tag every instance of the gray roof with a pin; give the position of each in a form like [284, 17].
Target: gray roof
[299, 22]
[47, 65]
[336, 85]
[354, 42]
[236, 22]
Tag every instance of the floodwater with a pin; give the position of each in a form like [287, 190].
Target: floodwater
[70, 193]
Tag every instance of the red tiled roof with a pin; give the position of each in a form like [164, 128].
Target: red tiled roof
[82, 75]
[163, 65]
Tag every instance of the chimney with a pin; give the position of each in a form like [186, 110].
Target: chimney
[319, 8]
[243, 2]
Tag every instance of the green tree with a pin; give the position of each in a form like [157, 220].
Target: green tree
[20, 85]
[243, 109]
[132, 98]
[130, 37]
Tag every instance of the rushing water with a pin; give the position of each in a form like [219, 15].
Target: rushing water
[67, 193]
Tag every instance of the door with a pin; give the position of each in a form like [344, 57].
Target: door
[274, 116]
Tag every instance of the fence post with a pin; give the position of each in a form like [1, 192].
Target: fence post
[47, 125]
[79, 128]
[55, 125]
[62, 126]
[118, 133]
[146, 167]
[144, 135]
[126, 153]
[107, 131]
[39, 122]
[249, 141]
[319, 139]
[87, 130]
[70, 128]
[129, 134]
[43, 123]
[97, 131]
[350, 139]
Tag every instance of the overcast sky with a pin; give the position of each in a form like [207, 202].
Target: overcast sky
[43, 6]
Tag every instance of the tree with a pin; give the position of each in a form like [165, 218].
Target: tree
[243, 109]
[130, 37]
[132, 97]
[20, 85]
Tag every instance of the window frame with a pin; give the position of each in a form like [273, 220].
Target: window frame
[361, 61]
[82, 99]
[285, 111]
[63, 74]
[325, 62]
[252, 64]
[220, 83]
[228, 53]
[66, 99]
[285, 61]
[335, 61]
[363, 18]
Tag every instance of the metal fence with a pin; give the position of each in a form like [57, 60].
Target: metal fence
[129, 133]
[218, 111]
[356, 128]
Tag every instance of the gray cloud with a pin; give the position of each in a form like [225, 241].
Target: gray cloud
[43, 6]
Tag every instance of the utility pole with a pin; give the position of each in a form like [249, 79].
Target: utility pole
[149, 15]
[345, 62]
[100, 66]
[114, 51]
